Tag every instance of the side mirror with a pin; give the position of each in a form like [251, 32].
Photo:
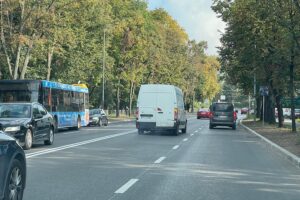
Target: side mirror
[38, 116]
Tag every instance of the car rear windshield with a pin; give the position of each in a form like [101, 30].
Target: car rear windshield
[223, 107]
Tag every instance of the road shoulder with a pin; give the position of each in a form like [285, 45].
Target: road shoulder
[274, 144]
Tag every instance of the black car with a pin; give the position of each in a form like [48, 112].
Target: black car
[12, 169]
[98, 117]
[222, 114]
[27, 122]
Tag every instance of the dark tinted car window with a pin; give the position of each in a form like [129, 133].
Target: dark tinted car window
[42, 110]
[223, 107]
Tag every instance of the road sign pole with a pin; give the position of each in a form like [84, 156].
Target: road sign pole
[263, 110]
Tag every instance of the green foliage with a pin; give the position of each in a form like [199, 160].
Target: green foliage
[63, 41]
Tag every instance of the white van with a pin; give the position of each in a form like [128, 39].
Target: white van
[160, 107]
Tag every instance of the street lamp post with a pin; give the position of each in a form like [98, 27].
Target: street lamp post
[103, 69]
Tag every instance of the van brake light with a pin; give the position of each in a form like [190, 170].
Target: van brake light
[137, 113]
[175, 113]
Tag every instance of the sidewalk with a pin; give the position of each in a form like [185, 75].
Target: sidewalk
[280, 136]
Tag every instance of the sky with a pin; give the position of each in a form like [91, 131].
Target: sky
[197, 18]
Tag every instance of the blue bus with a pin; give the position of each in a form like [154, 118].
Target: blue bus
[67, 103]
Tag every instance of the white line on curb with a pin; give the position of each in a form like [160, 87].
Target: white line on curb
[291, 157]
[175, 147]
[47, 151]
[126, 186]
[159, 160]
[185, 139]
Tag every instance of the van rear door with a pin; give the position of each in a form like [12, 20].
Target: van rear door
[165, 109]
[147, 107]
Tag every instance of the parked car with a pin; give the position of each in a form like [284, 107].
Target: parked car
[12, 169]
[297, 113]
[223, 114]
[244, 111]
[160, 107]
[98, 117]
[203, 113]
[27, 122]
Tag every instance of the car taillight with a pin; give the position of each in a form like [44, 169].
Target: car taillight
[175, 113]
[137, 113]
[234, 116]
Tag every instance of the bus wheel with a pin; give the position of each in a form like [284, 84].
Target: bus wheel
[78, 123]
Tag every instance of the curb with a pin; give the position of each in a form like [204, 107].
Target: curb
[283, 152]
[116, 122]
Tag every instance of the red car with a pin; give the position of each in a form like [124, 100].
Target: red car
[203, 113]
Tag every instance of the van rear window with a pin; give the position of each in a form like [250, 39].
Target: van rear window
[223, 107]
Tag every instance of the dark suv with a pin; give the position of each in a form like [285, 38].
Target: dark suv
[222, 114]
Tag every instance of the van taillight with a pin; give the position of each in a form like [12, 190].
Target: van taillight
[234, 115]
[137, 113]
[175, 113]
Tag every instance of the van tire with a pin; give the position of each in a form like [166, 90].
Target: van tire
[184, 130]
[176, 130]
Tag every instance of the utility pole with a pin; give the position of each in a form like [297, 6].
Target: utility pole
[254, 93]
[103, 69]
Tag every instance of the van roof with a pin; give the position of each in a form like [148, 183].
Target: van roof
[159, 87]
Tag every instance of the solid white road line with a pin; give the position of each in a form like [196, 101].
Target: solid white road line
[185, 139]
[126, 186]
[175, 147]
[47, 151]
[159, 160]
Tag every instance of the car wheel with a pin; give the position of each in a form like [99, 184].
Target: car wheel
[234, 126]
[51, 137]
[184, 130]
[100, 122]
[28, 140]
[55, 125]
[211, 126]
[14, 186]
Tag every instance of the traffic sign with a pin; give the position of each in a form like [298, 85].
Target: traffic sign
[263, 90]
[287, 103]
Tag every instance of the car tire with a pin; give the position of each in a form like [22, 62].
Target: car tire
[15, 181]
[55, 125]
[28, 140]
[50, 138]
[234, 126]
[211, 126]
[100, 123]
[184, 130]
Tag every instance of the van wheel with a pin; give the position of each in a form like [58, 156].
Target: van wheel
[176, 130]
[140, 131]
[184, 130]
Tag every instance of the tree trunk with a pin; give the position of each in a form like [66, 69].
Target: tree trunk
[131, 97]
[49, 61]
[27, 58]
[279, 111]
[17, 61]
[118, 99]
[292, 95]
[269, 110]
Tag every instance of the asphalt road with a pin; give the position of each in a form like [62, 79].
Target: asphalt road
[115, 162]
